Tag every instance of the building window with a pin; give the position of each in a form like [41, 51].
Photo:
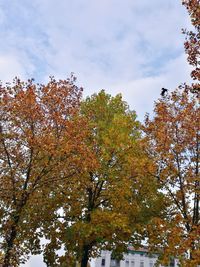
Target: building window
[141, 264]
[151, 264]
[126, 263]
[103, 262]
[132, 264]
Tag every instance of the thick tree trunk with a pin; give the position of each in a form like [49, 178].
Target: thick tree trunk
[85, 256]
[10, 239]
[90, 207]
[10, 243]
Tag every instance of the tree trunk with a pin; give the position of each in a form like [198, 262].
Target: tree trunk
[87, 247]
[10, 243]
[10, 239]
[85, 256]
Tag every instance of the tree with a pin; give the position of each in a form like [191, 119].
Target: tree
[192, 43]
[173, 138]
[40, 141]
[111, 200]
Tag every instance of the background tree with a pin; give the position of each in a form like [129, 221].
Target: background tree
[173, 138]
[111, 200]
[40, 140]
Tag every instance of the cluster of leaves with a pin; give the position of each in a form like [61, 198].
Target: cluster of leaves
[192, 43]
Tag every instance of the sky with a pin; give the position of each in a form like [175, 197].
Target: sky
[132, 47]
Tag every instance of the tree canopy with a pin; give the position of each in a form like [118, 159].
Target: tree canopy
[40, 138]
[109, 203]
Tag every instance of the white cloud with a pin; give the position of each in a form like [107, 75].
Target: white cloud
[115, 38]
[10, 66]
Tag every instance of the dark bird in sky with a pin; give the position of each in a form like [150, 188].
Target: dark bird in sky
[163, 91]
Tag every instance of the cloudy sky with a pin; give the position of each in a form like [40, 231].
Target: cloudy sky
[134, 47]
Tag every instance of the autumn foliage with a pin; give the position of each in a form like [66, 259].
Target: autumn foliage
[72, 172]
[105, 205]
[173, 138]
[40, 142]
[192, 42]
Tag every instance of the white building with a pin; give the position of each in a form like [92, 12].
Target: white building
[135, 258]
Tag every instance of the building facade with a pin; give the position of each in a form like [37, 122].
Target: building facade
[134, 258]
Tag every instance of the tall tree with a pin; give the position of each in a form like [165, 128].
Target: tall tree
[111, 199]
[40, 140]
[173, 138]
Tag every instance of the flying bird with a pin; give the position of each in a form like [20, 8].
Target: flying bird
[164, 90]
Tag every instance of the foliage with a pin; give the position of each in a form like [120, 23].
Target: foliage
[40, 140]
[107, 203]
[173, 137]
[192, 43]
